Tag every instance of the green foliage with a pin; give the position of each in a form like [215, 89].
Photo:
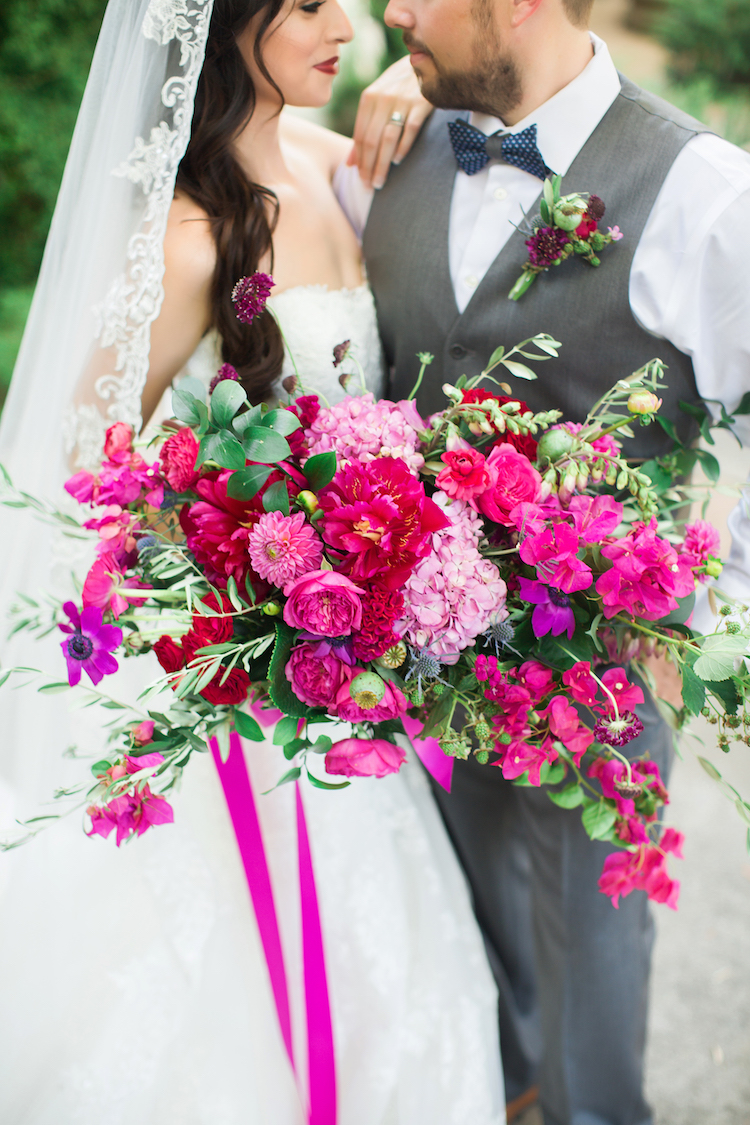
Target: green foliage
[14, 308]
[45, 53]
[708, 40]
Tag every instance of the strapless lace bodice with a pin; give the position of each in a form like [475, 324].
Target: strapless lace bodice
[314, 319]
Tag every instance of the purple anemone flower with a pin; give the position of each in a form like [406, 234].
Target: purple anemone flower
[89, 644]
[249, 296]
[552, 611]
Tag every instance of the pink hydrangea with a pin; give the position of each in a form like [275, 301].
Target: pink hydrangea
[452, 594]
[283, 548]
[361, 429]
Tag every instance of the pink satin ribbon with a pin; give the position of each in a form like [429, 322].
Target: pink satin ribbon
[429, 752]
[238, 793]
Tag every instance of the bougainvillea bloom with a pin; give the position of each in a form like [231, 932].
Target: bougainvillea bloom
[131, 814]
[702, 540]
[89, 644]
[357, 757]
[379, 519]
[554, 553]
[283, 548]
[643, 869]
[647, 575]
[250, 295]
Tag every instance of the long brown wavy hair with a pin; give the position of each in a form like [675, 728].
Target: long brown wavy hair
[242, 214]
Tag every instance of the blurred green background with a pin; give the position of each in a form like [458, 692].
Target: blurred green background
[694, 52]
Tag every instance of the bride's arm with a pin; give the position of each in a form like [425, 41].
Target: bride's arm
[378, 140]
[189, 260]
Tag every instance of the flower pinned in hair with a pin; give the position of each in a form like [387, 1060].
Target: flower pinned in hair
[250, 295]
[226, 371]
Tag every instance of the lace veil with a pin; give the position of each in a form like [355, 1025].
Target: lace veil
[84, 356]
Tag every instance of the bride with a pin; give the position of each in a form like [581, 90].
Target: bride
[132, 982]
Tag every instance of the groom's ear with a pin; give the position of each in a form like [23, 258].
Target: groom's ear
[521, 10]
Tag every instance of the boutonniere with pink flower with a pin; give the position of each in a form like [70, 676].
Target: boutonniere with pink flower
[567, 225]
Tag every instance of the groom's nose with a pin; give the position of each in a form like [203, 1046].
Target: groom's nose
[400, 13]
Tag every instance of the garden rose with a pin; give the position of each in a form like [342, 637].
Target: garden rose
[324, 603]
[465, 474]
[358, 757]
[233, 691]
[178, 456]
[118, 443]
[315, 679]
[513, 480]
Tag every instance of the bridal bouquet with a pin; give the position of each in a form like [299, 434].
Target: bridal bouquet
[483, 578]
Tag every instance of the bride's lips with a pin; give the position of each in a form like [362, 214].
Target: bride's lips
[330, 66]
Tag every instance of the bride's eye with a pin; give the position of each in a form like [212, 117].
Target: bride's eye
[313, 7]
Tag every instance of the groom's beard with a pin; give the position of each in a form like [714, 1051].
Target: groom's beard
[493, 85]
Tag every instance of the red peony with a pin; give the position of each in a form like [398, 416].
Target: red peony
[380, 520]
[232, 692]
[178, 457]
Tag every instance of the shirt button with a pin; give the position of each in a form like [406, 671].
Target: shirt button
[457, 351]
[471, 281]
[500, 193]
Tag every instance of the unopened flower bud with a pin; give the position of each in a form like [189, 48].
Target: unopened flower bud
[482, 756]
[452, 392]
[271, 609]
[714, 567]
[307, 501]
[553, 445]
[643, 402]
[582, 481]
[622, 479]
[289, 384]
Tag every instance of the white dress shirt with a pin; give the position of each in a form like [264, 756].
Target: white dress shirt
[690, 278]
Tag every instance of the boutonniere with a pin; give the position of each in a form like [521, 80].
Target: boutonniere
[567, 225]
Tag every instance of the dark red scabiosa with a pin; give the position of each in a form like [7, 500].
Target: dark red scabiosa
[340, 353]
[226, 371]
[250, 295]
[379, 520]
[89, 644]
[546, 246]
[618, 730]
[596, 208]
[381, 607]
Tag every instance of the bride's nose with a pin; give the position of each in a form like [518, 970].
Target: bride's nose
[340, 29]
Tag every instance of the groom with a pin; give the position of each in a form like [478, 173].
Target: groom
[442, 254]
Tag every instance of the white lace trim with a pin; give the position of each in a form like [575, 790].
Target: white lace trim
[134, 299]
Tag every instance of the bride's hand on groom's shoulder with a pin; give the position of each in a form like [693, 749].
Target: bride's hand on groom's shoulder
[379, 140]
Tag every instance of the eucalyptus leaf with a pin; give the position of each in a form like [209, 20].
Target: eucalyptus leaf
[251, 417]
[520, 370]
[247, 482]
[265, 446]
[285, 730]
[283, 421]
[226, 400]
[320, 470]
[185, 407]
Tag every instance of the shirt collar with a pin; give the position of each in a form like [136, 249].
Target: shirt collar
[567, 120]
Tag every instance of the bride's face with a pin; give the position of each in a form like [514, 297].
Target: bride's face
[300, 50]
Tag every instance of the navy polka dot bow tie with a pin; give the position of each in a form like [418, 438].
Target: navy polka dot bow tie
[473, 149]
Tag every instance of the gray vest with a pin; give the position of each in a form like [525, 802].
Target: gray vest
[625, 162]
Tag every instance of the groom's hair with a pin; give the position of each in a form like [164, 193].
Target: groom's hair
[578, 11]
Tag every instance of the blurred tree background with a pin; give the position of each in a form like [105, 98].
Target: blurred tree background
[46, 47]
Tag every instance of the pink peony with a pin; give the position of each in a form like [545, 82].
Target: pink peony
[379, 519]
[465, 474]
[324, 603]
[513, 479]
[361, 429]
[453, 594]
[358, 757]
[348, 710]
[283, 548]
[178, 457]
[316, 679]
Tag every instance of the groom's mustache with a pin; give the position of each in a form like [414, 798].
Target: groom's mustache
[413, 44]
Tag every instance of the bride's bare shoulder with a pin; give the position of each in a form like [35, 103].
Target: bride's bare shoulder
[323, 146]
[189, 245]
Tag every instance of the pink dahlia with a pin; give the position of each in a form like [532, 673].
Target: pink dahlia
[379, 519]
[283, 548]
[453, 593]
[361, 429]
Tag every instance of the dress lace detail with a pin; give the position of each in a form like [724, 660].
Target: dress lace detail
[134, 299]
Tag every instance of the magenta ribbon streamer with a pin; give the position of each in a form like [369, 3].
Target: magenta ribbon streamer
[238, 792]
[320, 1057]
[429, 752]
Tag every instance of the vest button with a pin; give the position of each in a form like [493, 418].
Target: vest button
[457, 351]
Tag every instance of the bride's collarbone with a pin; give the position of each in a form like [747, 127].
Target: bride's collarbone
[313, 241]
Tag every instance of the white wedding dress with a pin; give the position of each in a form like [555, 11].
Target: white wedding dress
[132, 981]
